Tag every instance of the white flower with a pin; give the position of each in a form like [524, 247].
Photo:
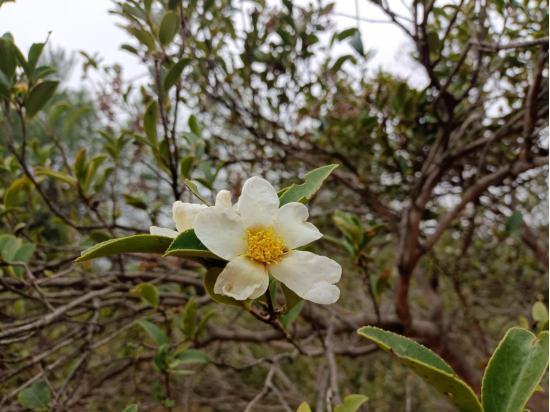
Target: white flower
[184, 215]
[258, 238]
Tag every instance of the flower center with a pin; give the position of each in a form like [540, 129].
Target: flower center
[265, 247]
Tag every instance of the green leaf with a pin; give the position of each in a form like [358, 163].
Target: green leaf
[514, 371]
[73, 117]
[23, 254]
[304, 192]
[195, 190]
[149, 293]
[210, 280]
[13, 195]
[156, 333]
[426, 364]
[80, 166]
[190, 317]
[192, 356]
[204, 321]
[7, 57]
[292, 314]
[194, 125]
[43, 71]
[357, 43]
[347, 33]
[304, 407]
[131, 408]
[150, 120]
[161, 357]
[35, 397]
[169, 26]
[351, 403]
[291, 298]
[9, 245]
[39, 96]
[60, 176]
[513, 223]
[34, 54]
[173, 4]
[144, 37]
[130, 244]
[185, 166]
[188, 245]
[56, 110]
[539, 313]
[174, 73]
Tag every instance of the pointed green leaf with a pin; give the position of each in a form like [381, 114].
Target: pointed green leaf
[304, 407]
[130, 244]
[150, 120]
[35, 397]
[156, 333]
[291, 298]
[169, 26]
[210, 280]
[149, 293]
[426, 364]
[351, 403]
[187, 245]
[174, 73]
[190, 317]
[513, 223]
[304, 192]
[34, 55]
[39, 96]
[56, 110]
[131, 408]
[7, 57]
[357, 43]
[192, 356]
[514, 371]
[185, 166]
[23, 254]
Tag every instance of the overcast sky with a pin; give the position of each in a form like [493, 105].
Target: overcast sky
[87, 25]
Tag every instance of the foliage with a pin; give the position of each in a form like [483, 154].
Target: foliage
[433, 200]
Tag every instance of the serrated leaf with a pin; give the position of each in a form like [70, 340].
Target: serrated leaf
[154, 331]
[174, 73]
[39, 96]
[169, 26]
[130, 244]
[514, 371]
[188, 245]
[150, 120]
[351, 403]
[210, 280]
[304, 192]
[426, 364]
[35, 397]
[148, 292]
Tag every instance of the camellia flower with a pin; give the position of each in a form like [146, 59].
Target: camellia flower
[184, 215]
[258, 238]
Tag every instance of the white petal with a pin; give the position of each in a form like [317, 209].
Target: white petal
[310, 276]
[184, 214]
[294, 227]
[162, 231]
[323, 293]
[221, 231]
[260, 290]
[241, 278]
[223, 199]
[258, 204]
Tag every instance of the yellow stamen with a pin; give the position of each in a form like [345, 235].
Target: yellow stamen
[265, 247]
